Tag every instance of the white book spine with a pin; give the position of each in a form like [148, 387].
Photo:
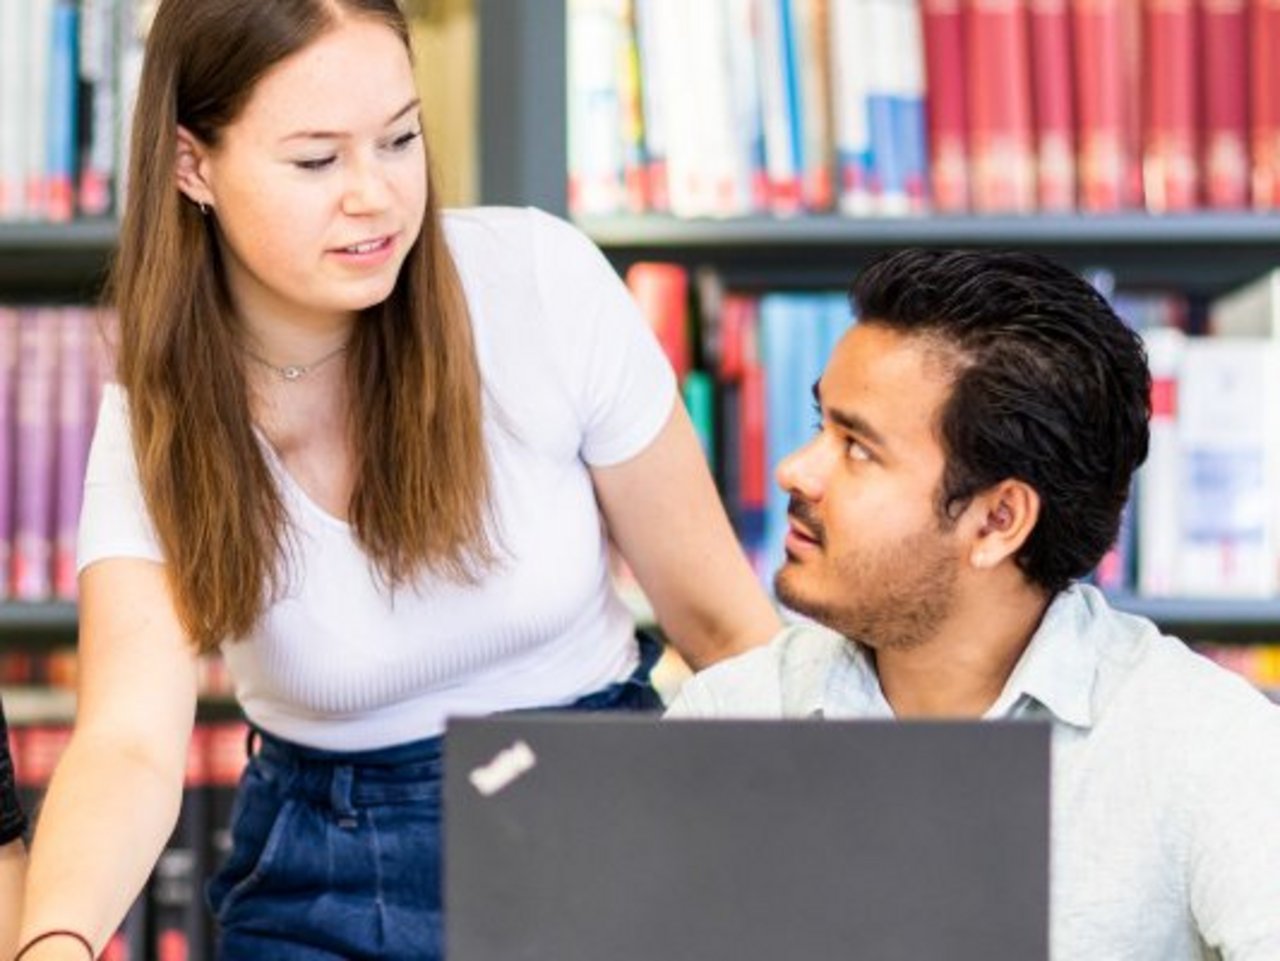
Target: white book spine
[15, 111]
[595, 108]
[1158, 514]
[1228, 432]
[850, 83]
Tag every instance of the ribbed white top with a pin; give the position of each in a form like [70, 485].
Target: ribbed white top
[573, 377]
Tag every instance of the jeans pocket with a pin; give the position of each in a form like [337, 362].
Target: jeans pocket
[258, 835]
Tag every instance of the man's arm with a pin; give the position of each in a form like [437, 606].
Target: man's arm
[1235, 855]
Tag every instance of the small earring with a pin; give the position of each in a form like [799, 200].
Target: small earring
[204, 208]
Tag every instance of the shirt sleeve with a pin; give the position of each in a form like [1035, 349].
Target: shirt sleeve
[1235, 835]
[693, 702]
[618, 377]
[12, 821]
[113, 519]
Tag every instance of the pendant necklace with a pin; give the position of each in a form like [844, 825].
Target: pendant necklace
[292, 372]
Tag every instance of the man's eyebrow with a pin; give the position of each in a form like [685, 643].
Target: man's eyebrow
[849, 420]
[412, 105]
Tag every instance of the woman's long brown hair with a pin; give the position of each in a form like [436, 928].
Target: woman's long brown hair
[421, 495]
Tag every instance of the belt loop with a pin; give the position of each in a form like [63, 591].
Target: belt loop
[340, 795]
[251, 741]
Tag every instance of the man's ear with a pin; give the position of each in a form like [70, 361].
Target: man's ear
[1007, 514]
[191, 169]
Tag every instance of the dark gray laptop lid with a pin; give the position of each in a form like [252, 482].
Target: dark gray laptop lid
[611, 838]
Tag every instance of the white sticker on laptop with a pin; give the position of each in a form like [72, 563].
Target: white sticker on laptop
[509, 764]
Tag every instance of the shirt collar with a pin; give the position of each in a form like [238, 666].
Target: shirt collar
[1057, 670]
[1060, 664]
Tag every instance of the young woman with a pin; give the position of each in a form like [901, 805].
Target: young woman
[13, 856]
[376, 454]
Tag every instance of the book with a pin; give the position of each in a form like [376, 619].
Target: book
[1224, 149]
[73, 432]
[34, 482]
[1002, 159]
[1264, 103]
[945, 82]
[97, 70]
[1170, 162]
[1099, 77]
[1053, 106]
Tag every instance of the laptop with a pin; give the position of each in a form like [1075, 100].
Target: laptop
[583, 837]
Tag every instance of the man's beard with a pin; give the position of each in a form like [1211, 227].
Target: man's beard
[896, 598]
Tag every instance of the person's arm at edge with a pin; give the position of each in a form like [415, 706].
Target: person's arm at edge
[13, 863]
[666, 517]
[13, 853]
[115, 795]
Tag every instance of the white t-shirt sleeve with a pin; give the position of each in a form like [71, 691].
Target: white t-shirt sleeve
[621, 383]
[113, 519]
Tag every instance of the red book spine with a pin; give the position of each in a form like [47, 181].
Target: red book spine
[944, 63]
[1264, 101]
[1054, 111]
[177, 897]
[1102, 161]
[1000, 128]
[1225, 146]
[662, 291]
[754, 477]
[1170, 164]
[227, 757]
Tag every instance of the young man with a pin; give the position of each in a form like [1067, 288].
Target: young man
[13, 856]
[979, 429]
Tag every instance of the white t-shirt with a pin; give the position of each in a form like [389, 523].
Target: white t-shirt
[572, 377]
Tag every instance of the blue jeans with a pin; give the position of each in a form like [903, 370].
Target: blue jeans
[336, 856]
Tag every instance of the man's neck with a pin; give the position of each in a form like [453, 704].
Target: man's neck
[960, 671]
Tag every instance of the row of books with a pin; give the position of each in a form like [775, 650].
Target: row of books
[886, 107]
[169, 922]
[1205, 516]
[52, 366]
[69, 73]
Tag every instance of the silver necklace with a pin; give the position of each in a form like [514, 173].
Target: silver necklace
[291, 372]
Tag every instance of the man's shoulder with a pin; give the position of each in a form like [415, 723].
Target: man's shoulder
[769, 681]
[1202, 698]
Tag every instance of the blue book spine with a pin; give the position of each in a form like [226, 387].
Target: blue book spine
[791, 72]
[60, 135]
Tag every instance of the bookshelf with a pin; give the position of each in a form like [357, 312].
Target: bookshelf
[65, 262]
[522, 131]
[524, 134]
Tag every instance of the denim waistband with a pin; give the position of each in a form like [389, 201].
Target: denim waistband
[401, 772]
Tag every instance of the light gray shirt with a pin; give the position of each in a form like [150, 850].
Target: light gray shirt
[1165, 774]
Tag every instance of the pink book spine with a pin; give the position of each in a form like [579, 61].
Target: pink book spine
[34, 480]
[73, 409]
[1225, 146]
[8, 368]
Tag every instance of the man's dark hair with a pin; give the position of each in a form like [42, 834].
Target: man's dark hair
[1050, 387]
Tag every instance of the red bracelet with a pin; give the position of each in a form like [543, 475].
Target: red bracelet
[55, 934]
